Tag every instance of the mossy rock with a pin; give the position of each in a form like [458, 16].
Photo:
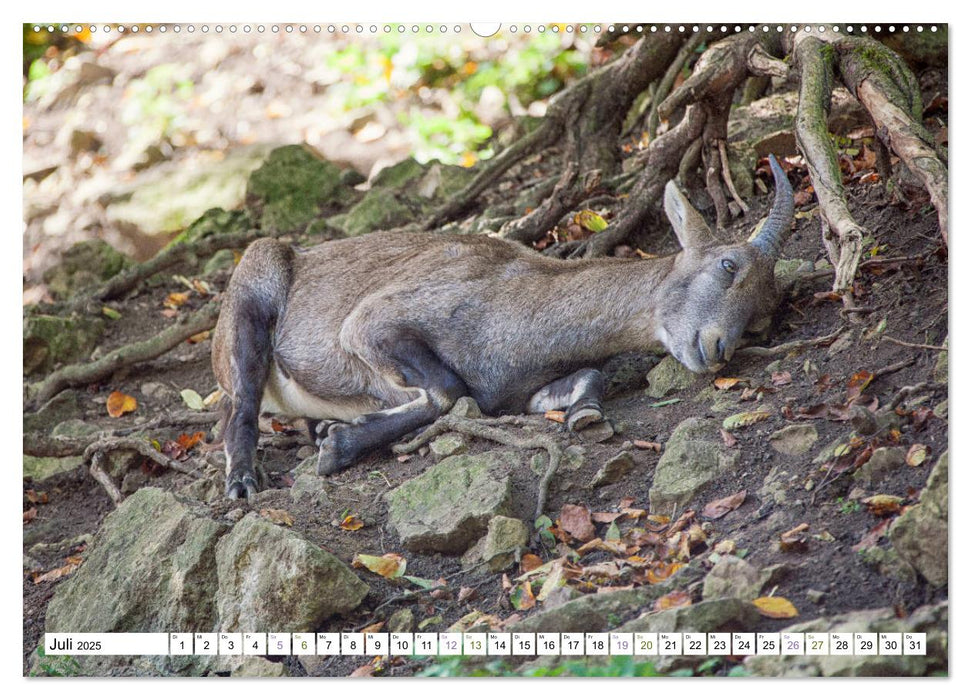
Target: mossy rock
[380, 209]
[84, 265]
[53, 340]
[214, 221]
[292, 187]
[399, 174]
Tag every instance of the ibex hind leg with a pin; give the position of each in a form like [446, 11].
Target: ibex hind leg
[255, 296]
[579, 394]
[436, 389]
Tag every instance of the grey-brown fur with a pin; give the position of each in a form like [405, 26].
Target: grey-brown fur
[385, 331]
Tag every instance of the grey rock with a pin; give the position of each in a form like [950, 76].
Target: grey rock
[149, 569]
[615, 469]
[466, 407]
[693, 457]
[272, 578]
[815, 597]
[883, 461]
[794, 439]
[920, 535]
[932, 620]
[668, 376]
[402, 620]
[54, 340]
[448, 445]
[732, 577]
[499, 548]
[84, 265]
[449, 506]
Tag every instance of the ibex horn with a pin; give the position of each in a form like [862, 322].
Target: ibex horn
[775, 230]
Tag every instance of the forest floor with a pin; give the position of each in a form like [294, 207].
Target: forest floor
[903, 291]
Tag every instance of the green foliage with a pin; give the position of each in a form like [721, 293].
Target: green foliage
[847, 506]
[56, 666]
[446, 80]
[155, 106]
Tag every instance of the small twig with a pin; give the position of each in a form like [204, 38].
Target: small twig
[906, 391]
[727, 176]
[896, 367]
[482, 429]
[786, 348]
[97, 471]
[920, 346]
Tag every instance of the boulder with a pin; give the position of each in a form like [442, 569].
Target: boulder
[794, 439]
[449, 507]
[614, 469]
[271, 578]
[292, 187]
[55, 340]
[732, 577]
[499, 547]
[920, 535]
[667, 376]
[931, 619]
[83, 266]
[694, 456]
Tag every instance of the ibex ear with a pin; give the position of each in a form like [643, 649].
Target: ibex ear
[689, 226]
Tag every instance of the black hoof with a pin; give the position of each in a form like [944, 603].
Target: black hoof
[333, 456]
[241, 486]
[583, 415]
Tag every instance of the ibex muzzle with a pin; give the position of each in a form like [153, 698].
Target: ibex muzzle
[379, 335]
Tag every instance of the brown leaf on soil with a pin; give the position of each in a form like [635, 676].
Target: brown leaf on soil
[729, 439]
[883, 504]
[555, 416]
[376, 627]
[775, 607]
[277, 516]
[720, 507]
[605, 517]
[674, 599]
[54, 574]
[873, 535]
[726, 383]
[351, 522]
[662, 571]
[187, 442]
[119, 404]
[575, 520]
[365, 671]
[781, 378]
[30, 514]
[645, 445]
[175, 300]
[466, 593]
[390, 565]
[36, 496]
[858, 382]
[529, 562]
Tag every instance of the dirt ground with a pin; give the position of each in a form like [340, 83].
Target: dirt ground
[903, 288]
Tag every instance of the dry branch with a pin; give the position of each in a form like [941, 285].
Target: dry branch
[140, 351]
[786, 348]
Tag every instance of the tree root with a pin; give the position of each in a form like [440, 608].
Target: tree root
[786, 348]
[567, 194]
[141, 351]
[590, 113]
[100, 475]
[920, 346]
[487, 429]
[176, 254]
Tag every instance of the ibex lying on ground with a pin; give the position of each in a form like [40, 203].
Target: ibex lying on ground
[379, 335]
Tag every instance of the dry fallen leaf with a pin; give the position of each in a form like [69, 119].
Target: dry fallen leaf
[278, 516]
[522, 597]
[351, 523]
[390, 565]
[73, 563]
[916, 454]
[674, 599]
[721, 506]
[776, 608]
[781, 378]
[175, 300]
[187, 442]
[30, 514]
[725, 383]
[742, 420]
[729, 439]
[555, 416]
[575, 520]
[883, 504]
[119, 404]
[529, 562]
[645, 445]
[36, 496]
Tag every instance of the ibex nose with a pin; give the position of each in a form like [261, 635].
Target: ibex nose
[720, 347]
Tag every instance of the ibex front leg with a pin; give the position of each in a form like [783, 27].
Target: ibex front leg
[421, 374]
[580, 394]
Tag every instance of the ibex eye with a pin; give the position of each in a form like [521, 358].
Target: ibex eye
[729, 266]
